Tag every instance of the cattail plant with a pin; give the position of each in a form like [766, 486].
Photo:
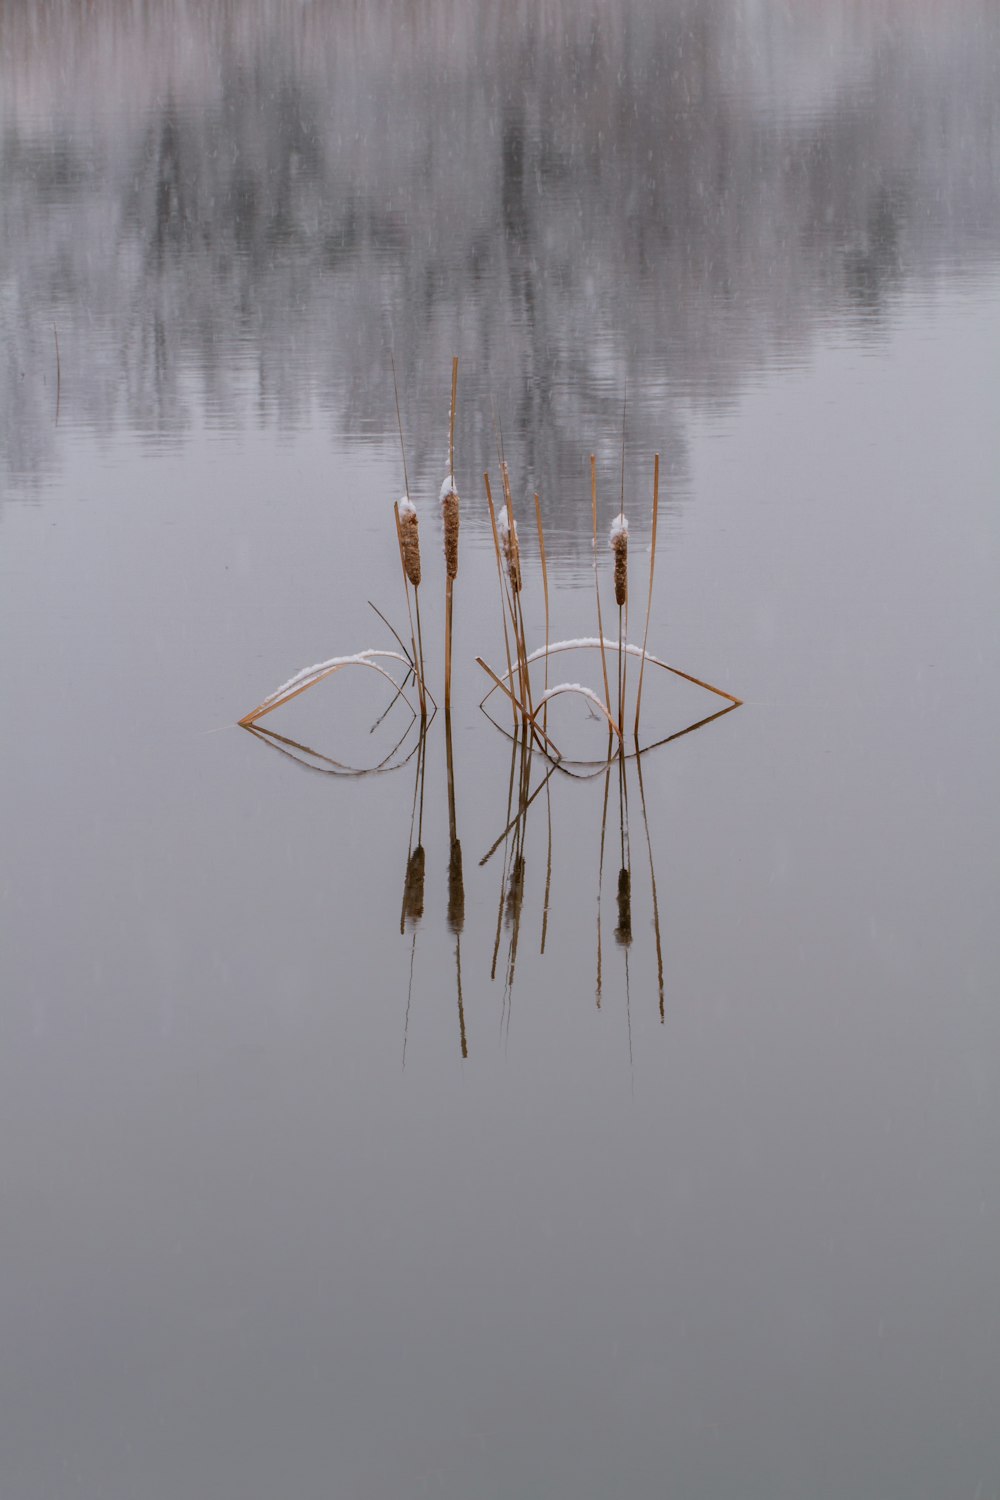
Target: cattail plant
[408, 536]
[409, 532]
[450, 521]
[597, 588]
[649, 600]
[618, 542]
[507, 527]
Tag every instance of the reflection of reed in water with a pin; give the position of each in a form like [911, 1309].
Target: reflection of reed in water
[456, 884]
[652, 882]
[413, 880]
[413, 888]
[623, 932]
[512, 879]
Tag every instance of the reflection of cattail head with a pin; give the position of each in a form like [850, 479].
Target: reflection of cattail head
[449, 514]
[618, 539]
[511, 548]
[410, 538]
[413, 886]
[456, 889]
[515, 889]
[623, 932]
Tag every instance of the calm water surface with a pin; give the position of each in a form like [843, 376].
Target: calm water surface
[704, 1200]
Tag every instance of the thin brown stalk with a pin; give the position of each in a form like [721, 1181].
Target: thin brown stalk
[545, 589]
[652, 881]
[420, 648]
[456, 883]
[391, 629]
[450, 516]
[597, 586]
[451, 426]
[600, 879]
[538, 730]
[512, 552]
[503, 876]
[649, 601]
[417, 665]
[55, 335]
[503, 600]
[447, 644]
[548, 868]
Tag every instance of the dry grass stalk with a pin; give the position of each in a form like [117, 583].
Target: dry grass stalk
[597, 588]
[537, 729]
[512, 549]
[418, 660]
[545, 589]
[317, 675]
[503, 600]
[618, 540]
[451, 519]
[652, 882]
[649, 601]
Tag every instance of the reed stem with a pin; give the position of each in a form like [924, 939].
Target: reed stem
[649, 601]
[597, 588]
[503, 599]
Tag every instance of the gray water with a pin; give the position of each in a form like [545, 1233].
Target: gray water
[704, 1200]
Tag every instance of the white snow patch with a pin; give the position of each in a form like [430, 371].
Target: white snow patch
[447, 488]
[619, 527]
[503, 525]
[407, 507]
[307, 673]
[572, 687]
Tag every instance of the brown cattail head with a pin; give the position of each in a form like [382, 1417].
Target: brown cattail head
[623, 932]
[409, 535]
[515, 890]
[449, 514]
[619, 546]
[456, 889]
[413, 887]
[511, 548]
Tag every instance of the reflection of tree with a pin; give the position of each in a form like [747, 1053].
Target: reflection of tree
[239, 207]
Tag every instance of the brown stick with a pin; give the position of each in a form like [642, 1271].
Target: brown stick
[55, 335]
[503, 600]
[597, 587]
[451, 428]
[649, 601]
[536, 728]
[545, 589]
[447, 644]
[417, 663]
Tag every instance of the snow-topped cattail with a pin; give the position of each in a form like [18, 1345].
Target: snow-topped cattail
[450, 517]
[511, 548]
[618, 541]
[409, 536]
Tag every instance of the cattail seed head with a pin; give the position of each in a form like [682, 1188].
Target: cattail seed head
[450, 517]
[413, 887]
[511, 548]
[409, 534]
[456, 889]
[623, 932]
[618, 540]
